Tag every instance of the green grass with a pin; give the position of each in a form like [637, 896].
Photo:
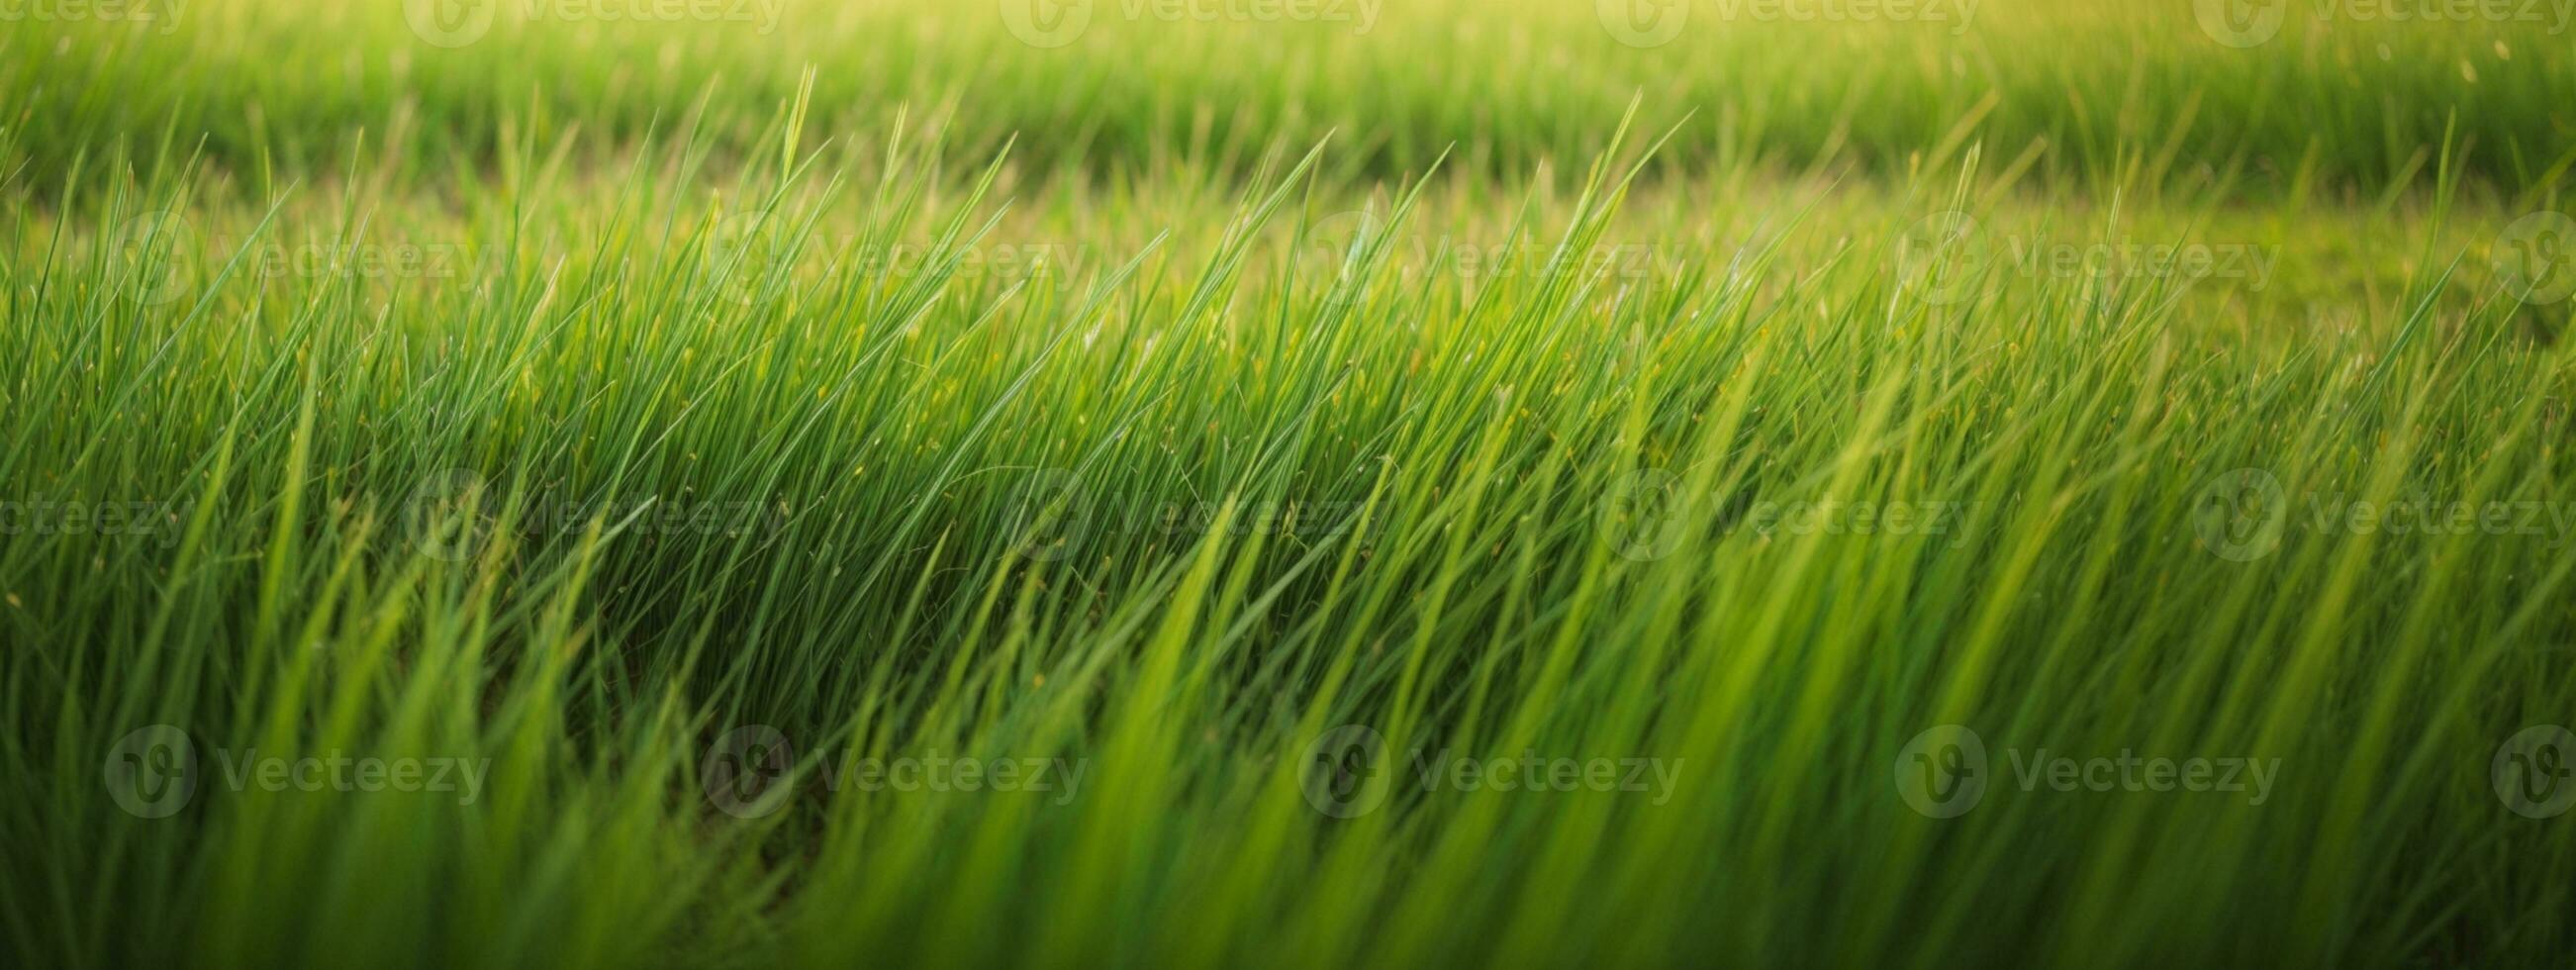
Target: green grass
[576, 414]
[2345, 101]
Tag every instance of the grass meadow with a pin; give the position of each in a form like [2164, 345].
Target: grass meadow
[1298, 483]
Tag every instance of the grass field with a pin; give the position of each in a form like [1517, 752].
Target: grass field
[1302, 483]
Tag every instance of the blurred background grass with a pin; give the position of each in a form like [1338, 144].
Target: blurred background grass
[2321, 98]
